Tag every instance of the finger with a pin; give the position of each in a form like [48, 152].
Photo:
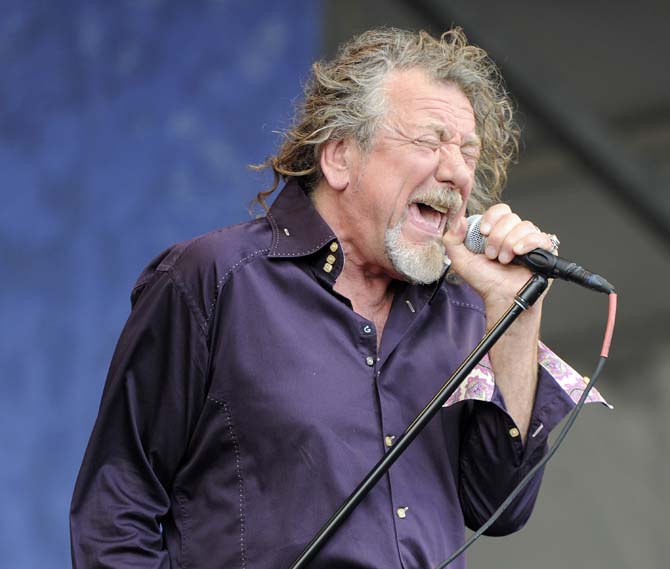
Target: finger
[498, 234]
[453, 240]
[555, 242]
[520, 239]
[492, 216]
[456, 233]
[533, 240]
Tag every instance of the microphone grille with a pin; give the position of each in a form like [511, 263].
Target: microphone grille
[474, 240]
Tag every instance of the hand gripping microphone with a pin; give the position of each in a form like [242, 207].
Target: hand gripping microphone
[540, 261]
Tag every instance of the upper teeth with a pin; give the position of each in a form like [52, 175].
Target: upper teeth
[435, 207]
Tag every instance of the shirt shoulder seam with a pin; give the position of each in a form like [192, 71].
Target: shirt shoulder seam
[222, 281]
[182, 289]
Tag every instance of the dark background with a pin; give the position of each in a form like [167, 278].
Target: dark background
[126, 126]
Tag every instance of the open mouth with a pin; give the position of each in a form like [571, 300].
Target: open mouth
[429, 217]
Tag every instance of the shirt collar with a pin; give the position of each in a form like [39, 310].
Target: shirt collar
[297, 228]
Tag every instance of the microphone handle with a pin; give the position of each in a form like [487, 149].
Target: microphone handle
[552, 266]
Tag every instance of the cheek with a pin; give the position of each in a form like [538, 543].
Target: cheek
[393, 194]
[394, 208]
[383, 202]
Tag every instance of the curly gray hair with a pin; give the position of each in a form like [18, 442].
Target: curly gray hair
[345, 98]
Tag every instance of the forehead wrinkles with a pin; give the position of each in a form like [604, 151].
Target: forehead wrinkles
[451, 113]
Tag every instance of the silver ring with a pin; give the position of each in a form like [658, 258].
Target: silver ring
[554, 241]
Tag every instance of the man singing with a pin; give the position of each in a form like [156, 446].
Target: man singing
[266, 367]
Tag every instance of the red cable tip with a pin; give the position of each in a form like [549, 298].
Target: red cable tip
[609, 330]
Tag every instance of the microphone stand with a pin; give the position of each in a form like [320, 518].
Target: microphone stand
[523, 300]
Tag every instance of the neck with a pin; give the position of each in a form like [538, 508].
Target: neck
[366, 283]
[370, 294]
[363, 274]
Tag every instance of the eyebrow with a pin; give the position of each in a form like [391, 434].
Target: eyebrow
[472, 140]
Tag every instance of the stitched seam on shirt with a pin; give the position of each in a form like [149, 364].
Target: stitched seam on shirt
[190, 302]
[223, 406]
[163, 267]
[467, 305]
[220, 284]
[276, 236]
[306, 251]
[275, 231]
[185, 520]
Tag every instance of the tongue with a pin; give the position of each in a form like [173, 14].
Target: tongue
[425, 217]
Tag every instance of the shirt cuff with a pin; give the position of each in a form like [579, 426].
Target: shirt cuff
[559, 387]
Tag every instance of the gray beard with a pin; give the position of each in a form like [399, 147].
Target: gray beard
[418, 263]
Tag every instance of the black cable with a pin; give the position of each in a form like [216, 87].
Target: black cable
[531, 473]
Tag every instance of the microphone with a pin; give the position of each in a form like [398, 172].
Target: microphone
[540, 261]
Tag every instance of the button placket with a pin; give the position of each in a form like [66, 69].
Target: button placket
[366, 330]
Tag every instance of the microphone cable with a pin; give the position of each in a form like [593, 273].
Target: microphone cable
[604, 353]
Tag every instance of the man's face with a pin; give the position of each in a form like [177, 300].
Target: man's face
[416, 177]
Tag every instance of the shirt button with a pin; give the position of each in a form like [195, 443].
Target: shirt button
[402, 512]
[331, 259]
[334, 246]
[367, 329]
[388, 440]
[328, 267]
[514, 432]
[370, 361]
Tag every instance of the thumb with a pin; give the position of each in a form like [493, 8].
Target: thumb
[453, 240]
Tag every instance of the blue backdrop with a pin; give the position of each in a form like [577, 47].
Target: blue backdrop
[124, 126]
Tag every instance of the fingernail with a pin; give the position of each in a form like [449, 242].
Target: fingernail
[504, 257]
[518, 248]
[490, 252]
[485, 227]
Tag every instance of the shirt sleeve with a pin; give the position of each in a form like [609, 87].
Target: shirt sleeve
[152, 398]
[493, 458]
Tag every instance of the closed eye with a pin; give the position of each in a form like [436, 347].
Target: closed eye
[470, 153]
[428, 142]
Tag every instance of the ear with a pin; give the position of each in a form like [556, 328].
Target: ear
[335, 163]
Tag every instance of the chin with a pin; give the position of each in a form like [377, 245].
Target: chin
[418, 263]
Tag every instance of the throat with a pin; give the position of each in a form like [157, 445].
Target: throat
[374, 308]
[378, 315]
[429, 214]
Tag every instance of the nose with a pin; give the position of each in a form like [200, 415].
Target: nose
[453, 171]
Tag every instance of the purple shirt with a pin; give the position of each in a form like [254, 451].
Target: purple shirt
[246, 400]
